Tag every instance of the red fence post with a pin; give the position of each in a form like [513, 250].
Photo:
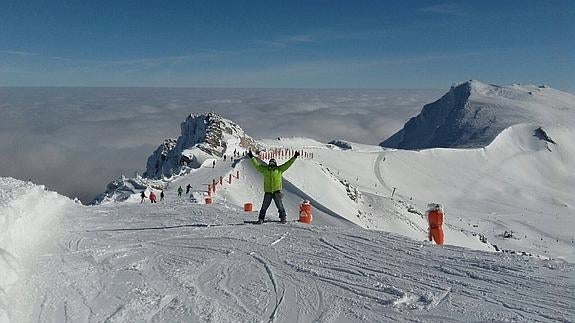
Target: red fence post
[230, 180]
[238, 174]
[221, 180]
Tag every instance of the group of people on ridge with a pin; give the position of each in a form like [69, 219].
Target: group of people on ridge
[152, 196]
[181, 190]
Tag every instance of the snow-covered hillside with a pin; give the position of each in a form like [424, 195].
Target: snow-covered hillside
[472, 114]
[179, 261]
[490, 203]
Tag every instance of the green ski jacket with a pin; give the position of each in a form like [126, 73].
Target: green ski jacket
[272, 175]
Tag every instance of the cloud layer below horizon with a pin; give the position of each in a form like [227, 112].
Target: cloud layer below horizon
[76, 140]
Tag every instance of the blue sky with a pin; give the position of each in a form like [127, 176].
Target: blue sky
[349, 44]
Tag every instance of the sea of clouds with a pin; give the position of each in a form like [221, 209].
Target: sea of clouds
[76, 140]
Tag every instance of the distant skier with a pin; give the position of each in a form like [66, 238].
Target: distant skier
[143, 196]
[162, 195]
[272, 184]
[224, 157]
[188, 188]
[153, 197]
[214, 164]
[180, 191]
[435, 219]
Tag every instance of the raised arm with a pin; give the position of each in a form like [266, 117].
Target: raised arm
[259, 167]
[283, 167]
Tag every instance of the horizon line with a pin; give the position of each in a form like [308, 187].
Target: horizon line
[215, 87]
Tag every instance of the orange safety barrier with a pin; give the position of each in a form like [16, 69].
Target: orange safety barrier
[248, 207]
[305, 212]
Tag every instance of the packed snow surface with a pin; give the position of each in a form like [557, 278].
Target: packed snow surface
[178, 261]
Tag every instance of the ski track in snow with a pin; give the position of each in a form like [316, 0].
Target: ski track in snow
[132, 262]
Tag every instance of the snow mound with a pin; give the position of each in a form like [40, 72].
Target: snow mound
[28, 214]
[472, 114]
[202, 137]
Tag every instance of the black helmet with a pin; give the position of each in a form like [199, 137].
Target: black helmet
[272, 162]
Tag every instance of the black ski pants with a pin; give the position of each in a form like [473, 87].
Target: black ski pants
[277, 197]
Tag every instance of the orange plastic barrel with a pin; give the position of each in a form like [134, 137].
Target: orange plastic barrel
[248, 207]
[305, 212]
[208, 200]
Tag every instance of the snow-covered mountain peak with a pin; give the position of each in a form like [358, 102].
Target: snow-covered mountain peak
[202, 137]
[473, 113]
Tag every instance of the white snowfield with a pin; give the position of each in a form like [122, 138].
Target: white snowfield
[177, 261]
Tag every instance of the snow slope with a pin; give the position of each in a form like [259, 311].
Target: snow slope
[178, 261]
[485, 191]
[473, 113]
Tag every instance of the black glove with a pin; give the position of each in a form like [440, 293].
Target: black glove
[250, 155]
[296, 154]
